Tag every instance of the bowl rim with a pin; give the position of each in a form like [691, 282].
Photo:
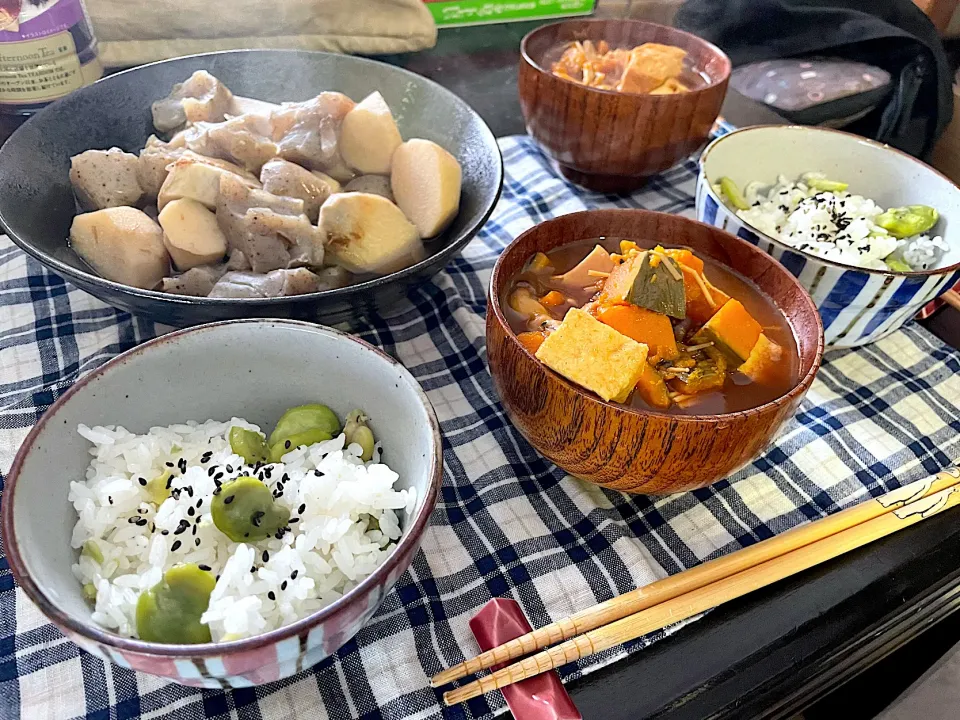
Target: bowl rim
[411, 538]
[799, 129]
[672, 97]
[444, 253]
[799, 388]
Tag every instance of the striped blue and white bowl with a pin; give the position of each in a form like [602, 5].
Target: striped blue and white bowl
[858, 306]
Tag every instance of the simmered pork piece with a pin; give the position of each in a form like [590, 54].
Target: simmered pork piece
[105, 178]
[281, 177]
[307, 132]
[368, 233]
[277, 283]
[196, 282]
[244, 140]
[152, 165]
[201, 98]
[272, 232]
[122, 244]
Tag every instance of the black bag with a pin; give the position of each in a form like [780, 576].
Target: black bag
[892, 34]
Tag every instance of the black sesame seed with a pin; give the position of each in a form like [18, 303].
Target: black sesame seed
[283, 585]
[294, 520]
[217, 490]
[110, 499]
[189, 490]
[265, 556]
[303, 506]
[228, 499]
[168, 464]
[211, 470]
[175, 546]
[197, 542]
[293, 575]
[286, 444]
[141, 522]
[216, 478]
[164, 532]
[246, 535]
[142, 481]
[199, 503]
[272, 595]
[191, 511]
[205, 568]
[182, 464]
[256, 517]
[169, 482]
[229, 468]
[133, 519]
[194, 530]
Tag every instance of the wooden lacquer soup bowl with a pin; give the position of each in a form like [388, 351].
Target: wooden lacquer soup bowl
[621, 447]
[612, 141]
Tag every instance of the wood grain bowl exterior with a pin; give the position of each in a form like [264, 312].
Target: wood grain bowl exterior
[610, 141]
[624, 448]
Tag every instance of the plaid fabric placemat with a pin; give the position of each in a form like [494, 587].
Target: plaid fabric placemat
[508, 523]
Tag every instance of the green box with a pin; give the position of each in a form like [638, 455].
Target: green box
[477, 12]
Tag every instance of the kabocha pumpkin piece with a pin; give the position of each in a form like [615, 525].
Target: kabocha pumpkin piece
[594, 355]
[649, 280]
[643, 325]
[761, 366]
[653, 388]
[733, 331]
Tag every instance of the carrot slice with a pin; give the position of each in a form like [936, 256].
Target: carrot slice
[531, 341]
[643, 325]
[553, 298]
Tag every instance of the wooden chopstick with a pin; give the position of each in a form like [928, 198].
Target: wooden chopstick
[695, 578]
[714, 594]
[951, 298]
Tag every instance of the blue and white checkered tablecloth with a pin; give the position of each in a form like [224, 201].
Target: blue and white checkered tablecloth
[508, 522]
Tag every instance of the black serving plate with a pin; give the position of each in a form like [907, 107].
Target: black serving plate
[37, 205]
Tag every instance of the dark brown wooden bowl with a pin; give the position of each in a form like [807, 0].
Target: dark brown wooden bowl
[624, 448]
[611, 141]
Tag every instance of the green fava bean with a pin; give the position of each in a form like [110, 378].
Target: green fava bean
[898, 265]
[248, 444]
[170, 611]
[244, 510]
[299, 419]
[357, 431]
[907, 221]
[308, 437]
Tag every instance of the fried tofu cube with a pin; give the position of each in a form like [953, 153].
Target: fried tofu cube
[594, 356]
[651, 64]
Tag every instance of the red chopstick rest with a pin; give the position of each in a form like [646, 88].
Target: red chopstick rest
[542, 697]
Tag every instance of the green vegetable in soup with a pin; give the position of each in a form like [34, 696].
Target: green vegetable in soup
[170, 611]
[245, 510]
[658, 286]
[299, 419]
[898, 265]
[357, 431]
[908, 221]
[157, 487]
[729, 189]
[90, 592]
[825, 185]
[308, 437]
[248, 444]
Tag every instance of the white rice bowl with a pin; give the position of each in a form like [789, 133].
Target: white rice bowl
[346, 525]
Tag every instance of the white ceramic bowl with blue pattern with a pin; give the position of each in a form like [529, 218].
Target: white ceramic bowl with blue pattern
[858, 306]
